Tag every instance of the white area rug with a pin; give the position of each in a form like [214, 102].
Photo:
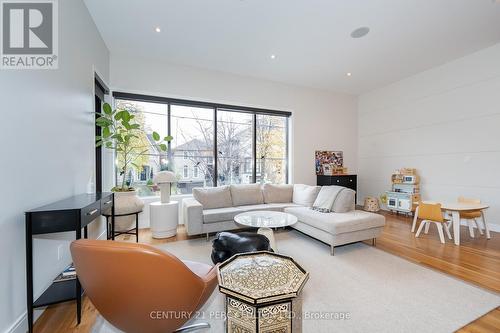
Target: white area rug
[379, 292]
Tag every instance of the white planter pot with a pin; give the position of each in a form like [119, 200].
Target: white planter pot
[125, 203]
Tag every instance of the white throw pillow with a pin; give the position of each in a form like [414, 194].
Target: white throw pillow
[250, 194]
[213, 197]
[277, 193]
[305, 194]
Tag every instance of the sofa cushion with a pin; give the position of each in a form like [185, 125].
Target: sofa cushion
[345, 201]
[282, 206]
[277, 193]
[250, 194]
[220, 214]
[213, 197]
[337, 223]
[305, 194]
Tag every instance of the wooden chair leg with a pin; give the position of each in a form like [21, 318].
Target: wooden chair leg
[415, 217]
[420, 227]
[447, 230]
[427, 226]
[471, 228]
[478, 226]
[440, 231]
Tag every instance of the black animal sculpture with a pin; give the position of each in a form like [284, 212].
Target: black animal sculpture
[227, 244]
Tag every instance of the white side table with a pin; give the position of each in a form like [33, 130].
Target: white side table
[164, 218]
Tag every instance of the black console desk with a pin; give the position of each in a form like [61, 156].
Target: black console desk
[71, 214]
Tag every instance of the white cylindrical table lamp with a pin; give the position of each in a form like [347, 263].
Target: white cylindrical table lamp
[164, 179]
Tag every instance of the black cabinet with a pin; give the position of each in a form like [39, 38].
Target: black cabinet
[349, 181]
[72, 214]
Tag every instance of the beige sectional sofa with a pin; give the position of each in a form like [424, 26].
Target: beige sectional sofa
[213, 209]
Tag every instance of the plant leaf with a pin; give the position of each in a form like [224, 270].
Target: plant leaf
[163, 147]
[168, 138]
[107, 108]
[106, 133]
[156, 136]
[126, 125]
[98, 143]
[126, 115]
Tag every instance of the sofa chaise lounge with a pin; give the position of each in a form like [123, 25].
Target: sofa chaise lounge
[213, 209]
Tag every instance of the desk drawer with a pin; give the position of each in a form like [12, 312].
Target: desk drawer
[90, 212]
[106, 204]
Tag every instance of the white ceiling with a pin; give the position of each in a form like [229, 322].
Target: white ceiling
[310, 38]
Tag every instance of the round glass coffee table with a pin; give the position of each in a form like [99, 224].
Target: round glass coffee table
[265, 220]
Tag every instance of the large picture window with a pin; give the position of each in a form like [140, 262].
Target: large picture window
[193, 146]
[234, 147]
[213, 144]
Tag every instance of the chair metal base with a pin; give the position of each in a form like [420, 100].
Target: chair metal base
[192, 327]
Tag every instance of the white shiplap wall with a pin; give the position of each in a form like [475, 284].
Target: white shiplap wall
[446, 123]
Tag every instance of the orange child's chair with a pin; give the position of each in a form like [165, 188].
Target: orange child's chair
[472, 217]
[129, 283]
[431, 213]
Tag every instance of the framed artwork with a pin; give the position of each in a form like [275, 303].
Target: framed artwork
[328, 160]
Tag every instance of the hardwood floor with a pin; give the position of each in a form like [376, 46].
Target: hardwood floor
[475, 260]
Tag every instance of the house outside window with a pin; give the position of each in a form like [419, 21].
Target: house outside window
[186, 171]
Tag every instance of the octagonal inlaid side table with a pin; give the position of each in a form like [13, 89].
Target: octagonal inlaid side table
[262, 292]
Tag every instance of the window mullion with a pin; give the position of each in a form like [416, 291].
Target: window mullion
[254, 152]
[216, 159]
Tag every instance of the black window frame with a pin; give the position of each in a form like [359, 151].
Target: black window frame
[100, 90]
[217, 106]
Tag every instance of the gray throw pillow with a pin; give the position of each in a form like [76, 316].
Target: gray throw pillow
[250, 194]
[213, 197]
[277, 193]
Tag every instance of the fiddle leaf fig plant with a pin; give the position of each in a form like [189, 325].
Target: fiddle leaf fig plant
[122, 133]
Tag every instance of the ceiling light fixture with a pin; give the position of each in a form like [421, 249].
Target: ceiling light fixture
[273, 56]
[157, 29]
[348, 73]
[360, 32]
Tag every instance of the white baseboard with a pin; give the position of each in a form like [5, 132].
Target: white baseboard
[19, 326]
[103, 235]
[493, 227]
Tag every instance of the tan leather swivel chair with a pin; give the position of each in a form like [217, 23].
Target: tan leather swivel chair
[138, 288]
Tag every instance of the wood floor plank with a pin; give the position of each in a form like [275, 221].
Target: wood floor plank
[476, 260]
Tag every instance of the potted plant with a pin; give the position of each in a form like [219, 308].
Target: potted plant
[122, 133]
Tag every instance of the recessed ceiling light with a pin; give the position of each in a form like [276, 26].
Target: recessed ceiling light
[157, 29]
[360, 32]
[273, 56]
[348, 73]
